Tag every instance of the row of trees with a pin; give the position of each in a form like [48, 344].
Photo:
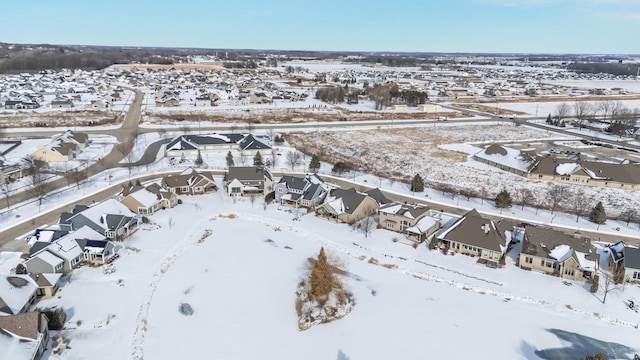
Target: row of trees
[620, 117]
[557, 195]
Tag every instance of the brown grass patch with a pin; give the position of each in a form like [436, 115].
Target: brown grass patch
[227, 216]
[373, 261]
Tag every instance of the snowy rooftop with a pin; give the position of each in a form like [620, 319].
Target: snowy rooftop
[15, 292]
[506, 156]
[145, 197]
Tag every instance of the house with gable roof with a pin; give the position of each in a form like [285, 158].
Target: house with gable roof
[189, 145]
[625, 260]
[246, 180]
[505, 158]
[110, 218]
[17, 294]
[190, 182]
[413, 220]
[347, 206]
[23, 336]
[308, 191]
[556, 253]
[475, 235]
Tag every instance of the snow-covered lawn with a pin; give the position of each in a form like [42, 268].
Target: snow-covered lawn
[239, 274]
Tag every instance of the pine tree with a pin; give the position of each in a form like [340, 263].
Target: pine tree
[549, 121]
[199, 159]
[21, 269]
[503, 199]
[257, 160]
[321, 277]
[229, 159]
[314, 165]
[598, 214]
[417, 184]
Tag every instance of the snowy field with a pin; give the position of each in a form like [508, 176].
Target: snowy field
[436, 155]
[629, 85]
[239, 274]
[545, 108]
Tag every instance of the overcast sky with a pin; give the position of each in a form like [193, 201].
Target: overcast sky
[522, 26]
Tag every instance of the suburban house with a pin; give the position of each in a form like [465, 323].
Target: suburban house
[474, 235]
[23, 336]
[190, 182]
[204, 100]
[347, 206]
[48, 284]
[17, 294]
[378, 196]
[110, 218]
[61, 255]
[625, 260]
[592, 173]
[413, 220]
[189, 145]
[61, 103]
[241, 180]
[80, 140]
[142, 202]
[63, 147]
[556, 253]
[55, 151]
[168, 199]
[505, 158]
[308, 191]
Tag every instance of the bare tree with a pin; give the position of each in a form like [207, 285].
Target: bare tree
[582, 110]
[233, 128]
[7, 187]
[77, 175]
[556, 194]
[580, 201]
[170, 222]
[162, 132]
[197, 206]
[252, 200]
[293, 158]
[607, 284]
[39, 181]
[525, 196]
[562, 111]
[270, 134]
[629, 215]
[368, 223]
[243, 160]
[484, 194]
[606, 107]
[250, 126]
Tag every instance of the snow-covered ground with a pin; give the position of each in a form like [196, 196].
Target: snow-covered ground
[239, 274]
[544, 108]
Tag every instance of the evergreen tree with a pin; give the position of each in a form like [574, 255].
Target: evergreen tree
[229, 159]
[598, 215]
[417, 184]
[257, 160]
[314, 165]
[199, 159]
[503, 199]
[549, 121]
[21, 269]
[321, 278]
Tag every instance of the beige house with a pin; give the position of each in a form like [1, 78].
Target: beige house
[556, 253]
[591, 173]
[347, 206]
[71, 137]
[474, 235]
[190, 182]
[413, 220]
[56, 151]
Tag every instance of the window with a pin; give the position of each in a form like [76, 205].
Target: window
[548, 264]
[528, 260]
[569, 272]
[636, 275]
[143, 211]
[110, 234]
[541, 262]
[390, 225]
[59, 266]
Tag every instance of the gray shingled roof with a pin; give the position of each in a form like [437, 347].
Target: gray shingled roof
[248, 173]
[350, 198]
[472, 229]
[297, 183]
[632, 257]
[539, 241]
[378, 196]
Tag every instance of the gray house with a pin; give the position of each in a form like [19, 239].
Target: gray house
[241, 180]
[109, 217]
[306, 191]
[625, 260]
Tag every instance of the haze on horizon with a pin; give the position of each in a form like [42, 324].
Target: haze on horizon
[485, 26]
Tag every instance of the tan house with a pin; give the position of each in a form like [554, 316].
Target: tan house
[56, 151]
[142, 202]
[556, 253]
[507, 159]
[24, 336]
[48, 284]
[591, 173]
[347, 206]
[413, 220]
[474, 235]
[71, 137]
[190, 182]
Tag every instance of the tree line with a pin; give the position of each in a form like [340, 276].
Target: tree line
[607, 68]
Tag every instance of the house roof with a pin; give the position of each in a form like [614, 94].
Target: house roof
[145, 197]
[553, 244]
[292, 182]
[107, 214]
[25, 325]
[503, 155]
[16, 348]
[46, 279]
[472, 229]
[346, 200]
[248, 173]
[48, 257]
[411, 211]
[423, 225]
[378, 196]
[15, 292]
[624, 173]
[189, 177]
[251, 143]
[632, 257]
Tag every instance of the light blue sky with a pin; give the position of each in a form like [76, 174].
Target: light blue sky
[548, 26]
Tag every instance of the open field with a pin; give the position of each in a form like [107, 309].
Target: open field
[402, 153]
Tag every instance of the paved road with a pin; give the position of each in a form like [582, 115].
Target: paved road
[150, 154]
[126, 133]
